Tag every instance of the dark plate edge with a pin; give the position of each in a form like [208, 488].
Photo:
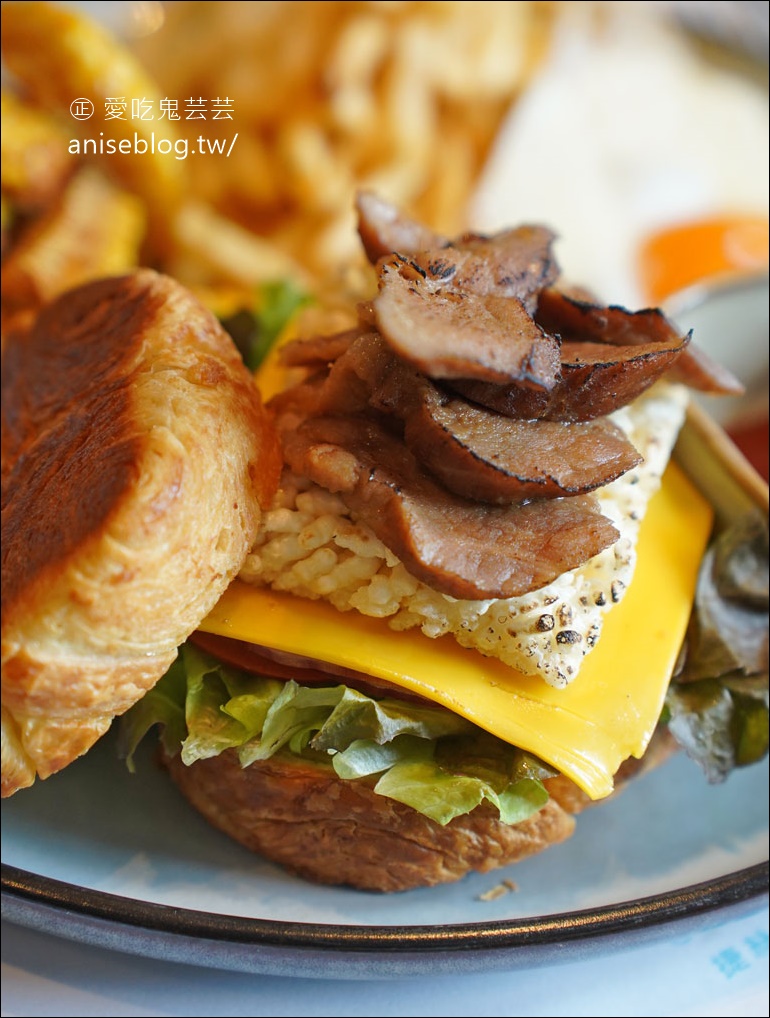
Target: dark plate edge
[311, 950]
[21, 888]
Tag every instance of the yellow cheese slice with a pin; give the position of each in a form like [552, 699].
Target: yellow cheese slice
[586, 730]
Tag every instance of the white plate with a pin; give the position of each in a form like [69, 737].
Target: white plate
[107, 858]
[728, 316]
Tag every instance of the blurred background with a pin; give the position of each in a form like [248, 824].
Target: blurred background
[637, 131]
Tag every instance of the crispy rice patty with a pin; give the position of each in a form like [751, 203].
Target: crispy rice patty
[309, 545]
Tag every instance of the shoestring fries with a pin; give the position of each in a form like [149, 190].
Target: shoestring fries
[315, 101]
[403, 98]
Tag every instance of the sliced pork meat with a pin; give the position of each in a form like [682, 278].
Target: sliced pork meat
[464, 418]
[483, 455]
[384, 228]
[473, 451]
[696, 369]
[301, 400]
[580, 321]
[367, 364]
[515, 263]
[458, 547]
[595, 380]
[447, 334]
[576, 320]
[316, 351]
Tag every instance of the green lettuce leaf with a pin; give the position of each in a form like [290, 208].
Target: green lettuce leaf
[255, 330]
[363, 757]
[442, 795]
[221, 710]
[717, 705]
[162, 706]
[434, 761]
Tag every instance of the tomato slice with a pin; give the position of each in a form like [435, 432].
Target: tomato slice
[306, 671]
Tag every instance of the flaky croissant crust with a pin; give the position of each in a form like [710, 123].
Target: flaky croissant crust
[330, 831]
[136, 455]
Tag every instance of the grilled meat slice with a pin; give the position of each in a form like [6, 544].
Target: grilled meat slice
[451, 334]
[458, 547]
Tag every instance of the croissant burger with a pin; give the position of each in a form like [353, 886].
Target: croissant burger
[428, 599]
[136, 455]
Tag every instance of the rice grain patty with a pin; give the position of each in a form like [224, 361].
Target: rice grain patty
[308, 544]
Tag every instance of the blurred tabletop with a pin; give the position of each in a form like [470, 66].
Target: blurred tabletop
[721, 970]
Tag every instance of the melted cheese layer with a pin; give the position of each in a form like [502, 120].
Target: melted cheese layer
[585, 730]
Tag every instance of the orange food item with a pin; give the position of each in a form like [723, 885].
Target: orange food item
[679, 256]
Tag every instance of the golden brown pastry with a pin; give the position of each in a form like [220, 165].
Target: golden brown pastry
[135, 458]
[330, 831]
[302, 816]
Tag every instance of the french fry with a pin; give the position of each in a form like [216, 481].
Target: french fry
[401, 98]
[60, 56]
[318, 179]
[34, 160]
[335, 96]
[210, 249]
[94, 230]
